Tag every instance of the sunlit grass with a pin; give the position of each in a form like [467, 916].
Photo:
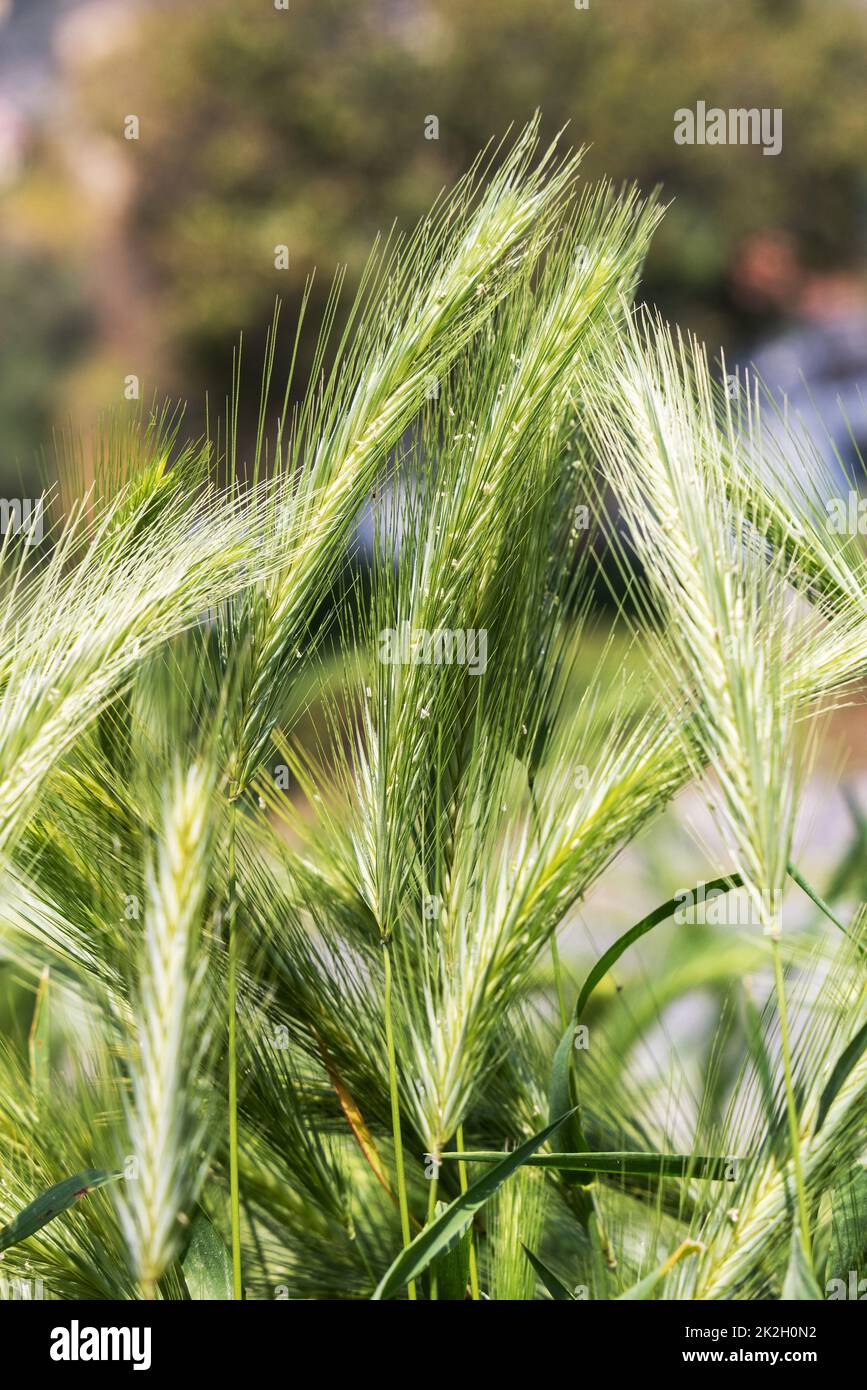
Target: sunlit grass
[300, 905]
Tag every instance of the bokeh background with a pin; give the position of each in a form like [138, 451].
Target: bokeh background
[306, 126]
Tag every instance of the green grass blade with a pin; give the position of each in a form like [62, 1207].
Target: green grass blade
[54, 1202]
[627, 1164]
[206, 1265]
[562, 1097]
[448, 1228]
[820, 903]
[553, 1283]
[762, 1065]
[800, 1283]
[846, 1061]
[39, 1039]
[561, 1094]
[822, 1238]
[659, 914]
[452, 1269]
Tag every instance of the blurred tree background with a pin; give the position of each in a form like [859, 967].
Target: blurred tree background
[307, 127]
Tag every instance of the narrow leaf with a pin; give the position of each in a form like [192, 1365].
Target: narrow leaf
[56, 1200]
[800, 1283]
[553, 1283]
[448, 1228]
[822, 1238]
[820, 903]
[659, 914]
[38, 1042]
[846, 1061]
[761, 1062]
[206, 1265]
[646, 1165]
[561, 1097]
[453, 1268]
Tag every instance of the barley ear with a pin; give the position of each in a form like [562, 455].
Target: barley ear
[164, 1121]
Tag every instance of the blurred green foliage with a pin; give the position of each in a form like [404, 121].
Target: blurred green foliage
[43, 325]
[306, 126]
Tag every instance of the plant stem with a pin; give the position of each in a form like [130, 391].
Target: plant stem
[555, 951]
[820, 903]
[558, 983]
[234, 1186]
[791, 1109]
[431, 1213]
[462, 1172]
[395, 1112]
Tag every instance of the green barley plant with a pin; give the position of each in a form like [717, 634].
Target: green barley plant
[331, 970]
[166, 1105]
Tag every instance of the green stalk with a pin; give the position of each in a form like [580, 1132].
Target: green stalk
[601, 1254]
[791, 1109]
[462, 1173]
[234, 1186]
[558, 983]
[820, 903]
[431, 1213]
[395, 1112]
[555, 950]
